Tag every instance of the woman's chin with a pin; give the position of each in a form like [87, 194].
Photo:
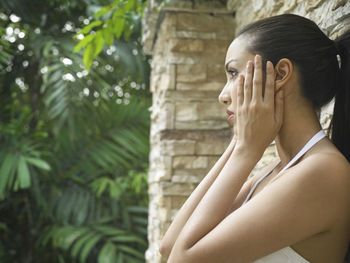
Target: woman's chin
[231, 121]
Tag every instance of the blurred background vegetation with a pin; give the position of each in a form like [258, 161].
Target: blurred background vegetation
[74, 131]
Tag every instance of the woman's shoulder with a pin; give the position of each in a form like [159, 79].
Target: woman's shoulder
[327, 163]
[324, 175]
[324, 163]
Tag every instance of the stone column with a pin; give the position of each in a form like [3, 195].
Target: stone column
[189, 130]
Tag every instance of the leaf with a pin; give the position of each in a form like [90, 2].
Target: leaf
[140, 220]
[107, 253]
[80, 207]
[108, 34]
[128, 238]
[38, 163]
[56, 92]
[101, 185]
[82, 43]
[128, 30]
[47, 47]
[87, 248]
[138, 209]
[69, 234]
[15, 185]
[99, 42]
[23, 173]
[130, 259]
[120, 258]
[115, 191]
[89, 55]
[46, 235]
[131, 251]
[118, 22]
[83, 239]
[108, 230]
[90, 26]
[141, 229]
[103, 11]
[6, 172]
[126, 219]
[129, 5]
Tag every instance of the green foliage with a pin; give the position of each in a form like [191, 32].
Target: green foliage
[74, 143]
[5, 50]
[112, 21]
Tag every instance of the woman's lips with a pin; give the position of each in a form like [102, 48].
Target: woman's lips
[229, 112]
[230, 115]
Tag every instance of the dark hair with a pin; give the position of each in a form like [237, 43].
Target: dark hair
[316, 58]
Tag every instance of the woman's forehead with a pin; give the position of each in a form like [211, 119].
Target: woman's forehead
[237, 51]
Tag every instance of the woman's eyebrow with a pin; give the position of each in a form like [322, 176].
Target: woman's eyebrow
[226, 66]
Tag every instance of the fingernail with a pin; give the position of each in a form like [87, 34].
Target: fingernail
[249, 63]
[269, 65]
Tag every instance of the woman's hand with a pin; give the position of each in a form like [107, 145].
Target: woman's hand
[259, 116]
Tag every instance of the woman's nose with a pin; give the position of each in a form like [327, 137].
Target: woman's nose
[225, 98]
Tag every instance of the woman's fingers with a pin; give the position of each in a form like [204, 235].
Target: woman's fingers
[257, 112]
[257, 80]
[248, 82]
[240, 92]
[269, 85]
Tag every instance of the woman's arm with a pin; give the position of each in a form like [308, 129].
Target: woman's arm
[191, 203]
[213, 206]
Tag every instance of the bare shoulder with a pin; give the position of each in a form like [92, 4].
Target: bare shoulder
[324, 177]
[321, 169]
[326, 168]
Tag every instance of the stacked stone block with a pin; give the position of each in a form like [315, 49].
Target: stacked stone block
[189, 131]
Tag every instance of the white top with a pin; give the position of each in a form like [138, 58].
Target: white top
[284, 255]
[287, 254]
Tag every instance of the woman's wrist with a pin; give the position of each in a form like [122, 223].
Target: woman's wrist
[231, 146]
[246, 151]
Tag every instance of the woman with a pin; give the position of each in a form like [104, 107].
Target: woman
[280, 71]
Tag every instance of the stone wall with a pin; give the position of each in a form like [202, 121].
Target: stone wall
[189, 132]
[331, 15]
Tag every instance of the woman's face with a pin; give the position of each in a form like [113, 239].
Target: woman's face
[235, 63]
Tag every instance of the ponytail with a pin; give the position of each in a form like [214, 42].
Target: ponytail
[340, 124]
[341, 117]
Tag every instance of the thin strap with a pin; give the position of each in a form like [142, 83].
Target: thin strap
[258, 182]
[315, 139]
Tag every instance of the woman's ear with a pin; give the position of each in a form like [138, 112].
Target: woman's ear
[283, 71]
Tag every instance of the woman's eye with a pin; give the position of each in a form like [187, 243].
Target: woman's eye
[233, 73]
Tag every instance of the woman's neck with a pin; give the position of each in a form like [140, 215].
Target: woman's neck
[300, 124]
